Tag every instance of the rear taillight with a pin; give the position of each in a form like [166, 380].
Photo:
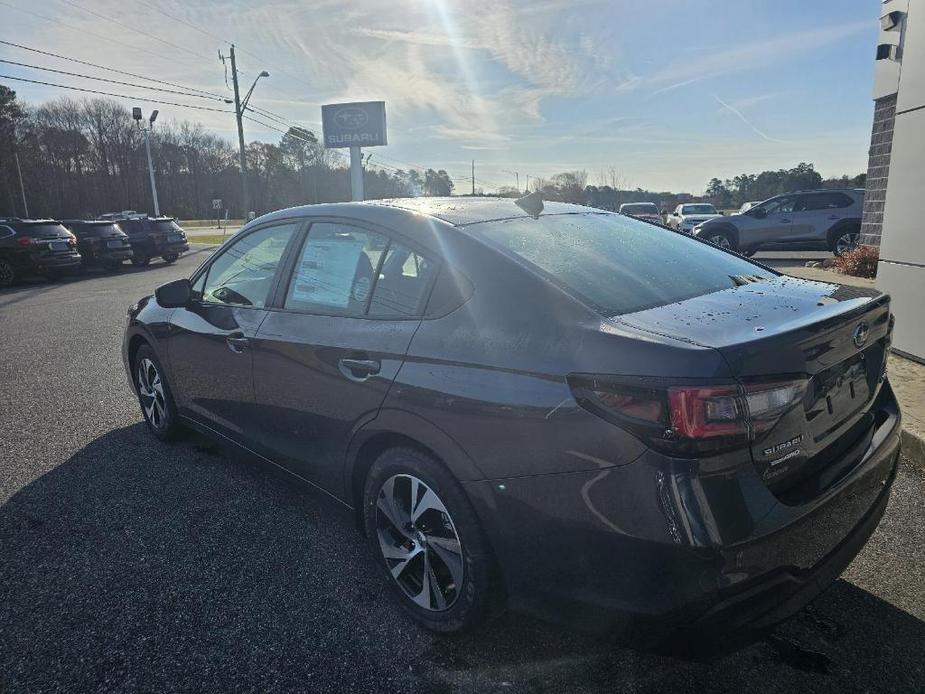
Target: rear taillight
[24, 240]
[689, 419]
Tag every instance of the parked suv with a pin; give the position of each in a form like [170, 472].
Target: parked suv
[151, 236]
[813, 219]
[35, 247]
[100, 242]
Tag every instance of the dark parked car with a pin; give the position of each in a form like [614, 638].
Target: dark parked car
[152, 237]
[100, 242]
[35, 247]
[588, 416]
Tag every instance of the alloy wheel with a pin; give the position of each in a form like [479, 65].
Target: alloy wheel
[419, 542]
[151, 392]
[721, 241]
[847, 242]
[6, 274]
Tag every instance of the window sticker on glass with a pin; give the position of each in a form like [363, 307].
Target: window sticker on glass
[336, 268]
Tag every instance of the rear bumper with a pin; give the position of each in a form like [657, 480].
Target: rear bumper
[656, 549]
[63, 261]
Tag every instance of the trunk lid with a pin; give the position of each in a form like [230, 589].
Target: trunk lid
[835, 337]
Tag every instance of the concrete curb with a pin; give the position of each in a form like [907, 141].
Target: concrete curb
[913, 445]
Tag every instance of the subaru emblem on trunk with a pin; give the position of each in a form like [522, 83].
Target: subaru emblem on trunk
[860, 334]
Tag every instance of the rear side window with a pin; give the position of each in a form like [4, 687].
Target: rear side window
[824, 201]
[617, 264]
[336, 269]
[402, 283]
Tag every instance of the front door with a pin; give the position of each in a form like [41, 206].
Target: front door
[775, 226]
[326, 357]
[209, 348]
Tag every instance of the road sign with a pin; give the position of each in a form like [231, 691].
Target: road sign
[216, 203]
[360, 124]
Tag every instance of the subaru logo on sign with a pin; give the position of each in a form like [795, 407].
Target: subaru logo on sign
[357, 124]
[351, 118]
[860, 334]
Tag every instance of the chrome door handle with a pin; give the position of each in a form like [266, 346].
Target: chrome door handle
[359, 369]
[237, 342]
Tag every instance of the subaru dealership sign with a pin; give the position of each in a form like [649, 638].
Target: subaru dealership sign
[360, 124]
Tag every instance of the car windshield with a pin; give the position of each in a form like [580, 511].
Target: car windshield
[615, 264]
[698, 209]
[640, 208]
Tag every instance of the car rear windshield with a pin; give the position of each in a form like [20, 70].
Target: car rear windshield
[616, 264]
[640, 208]
[162, 225]
[43, 231]
[96, 230]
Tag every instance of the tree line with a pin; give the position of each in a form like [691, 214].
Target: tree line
[83, 157]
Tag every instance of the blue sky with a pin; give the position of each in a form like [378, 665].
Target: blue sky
[660, 94]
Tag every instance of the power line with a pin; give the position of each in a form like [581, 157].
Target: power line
[103, 79]
[146, 34]
[121, 96]
[110, 69]
[83, 32]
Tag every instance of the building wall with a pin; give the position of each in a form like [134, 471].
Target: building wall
[878, 169]
[900, 156]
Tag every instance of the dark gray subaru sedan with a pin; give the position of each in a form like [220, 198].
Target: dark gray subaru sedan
[567, 411]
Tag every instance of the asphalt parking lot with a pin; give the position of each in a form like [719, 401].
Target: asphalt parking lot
[128, 564]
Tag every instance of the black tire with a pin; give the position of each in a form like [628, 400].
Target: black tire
[7, 273]
[141, 261]
[467, 602]
[159, 410]
[844, 239]
[722, 238]
[170, 258]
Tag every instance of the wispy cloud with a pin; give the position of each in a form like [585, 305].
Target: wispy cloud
[750, 55]
[736, 112]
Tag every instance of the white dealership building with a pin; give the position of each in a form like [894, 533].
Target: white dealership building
[894, 206]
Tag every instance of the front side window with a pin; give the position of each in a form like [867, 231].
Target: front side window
[336, 269]
[782, 205]
[243, 274]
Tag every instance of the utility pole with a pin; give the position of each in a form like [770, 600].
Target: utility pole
[473, 176]
[238, 115]
[516, 177]
[22, 188]
[240, 105]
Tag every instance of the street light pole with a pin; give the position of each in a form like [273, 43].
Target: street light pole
[136, 114]
[239, 106]
[157, 207]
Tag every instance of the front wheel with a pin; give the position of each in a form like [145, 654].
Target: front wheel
[7, 273]
[154, 396]
[428, 542]
[723, 239]
[845, 241]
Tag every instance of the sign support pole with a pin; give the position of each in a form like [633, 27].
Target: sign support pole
[356, 174]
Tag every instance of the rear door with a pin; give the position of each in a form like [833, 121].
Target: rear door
[326, 355]
[820, 212]
[210, 339]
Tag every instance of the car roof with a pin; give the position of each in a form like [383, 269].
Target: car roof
[455, 211]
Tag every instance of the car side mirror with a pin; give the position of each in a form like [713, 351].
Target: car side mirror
[663, 212]
[174, 294]
[758, 212]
